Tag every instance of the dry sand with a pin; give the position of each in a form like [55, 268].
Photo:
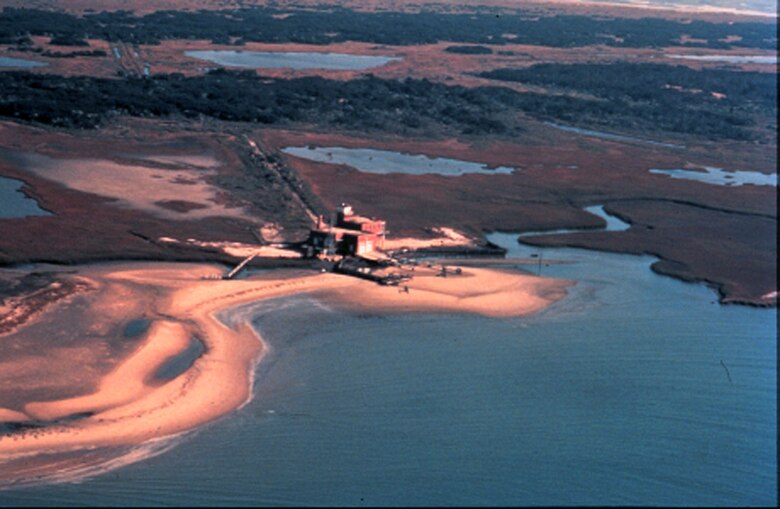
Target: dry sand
[129, 407]
[444, 237]
[488, 292]
[147, 188]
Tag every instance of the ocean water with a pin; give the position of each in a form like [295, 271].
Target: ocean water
[637, 389]
[764, 7]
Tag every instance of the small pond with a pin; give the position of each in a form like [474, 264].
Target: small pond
[14, 203]
[20, 62]
[136, 327]
[721, 177]
[386, 161]
[291, 59]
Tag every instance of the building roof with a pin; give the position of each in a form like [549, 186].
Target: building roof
[360, 219]
[342, 231]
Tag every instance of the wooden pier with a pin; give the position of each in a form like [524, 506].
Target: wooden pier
[233, 273]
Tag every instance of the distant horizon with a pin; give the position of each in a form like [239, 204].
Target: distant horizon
[761, 7]
[765, 8]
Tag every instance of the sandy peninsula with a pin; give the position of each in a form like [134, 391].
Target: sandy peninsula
[130, 406]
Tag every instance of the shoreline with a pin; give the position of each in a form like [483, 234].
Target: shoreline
[129, 407]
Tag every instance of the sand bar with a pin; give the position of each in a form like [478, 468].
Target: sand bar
[129, 409]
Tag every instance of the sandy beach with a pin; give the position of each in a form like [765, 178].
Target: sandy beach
[129, 406]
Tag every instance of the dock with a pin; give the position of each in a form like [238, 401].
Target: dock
[233, 273]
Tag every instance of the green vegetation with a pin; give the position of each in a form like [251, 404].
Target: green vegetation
[409, 106]
[469, 50]
[60, 54]
[67, 40]
[367, 103]
[713, 102]
[337, 25]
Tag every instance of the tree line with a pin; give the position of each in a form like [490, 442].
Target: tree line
[717, 103]
[331, 25]
[372, 104]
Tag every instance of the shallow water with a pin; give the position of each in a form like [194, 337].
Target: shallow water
[637, 389]
[387, 161]
[20, 62]
[291, 59]
[614, 224]
[720, 177]
[765, 7]
[732, 59]
[137, 327]
[180, 362]
[14, 203]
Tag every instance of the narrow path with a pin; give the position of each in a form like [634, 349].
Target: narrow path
[274, 168]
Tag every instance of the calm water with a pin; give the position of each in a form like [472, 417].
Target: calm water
[14, 203]
[615, 396]
[181, 362]
[20, 62]
[291, 59]
[614, 224]
[610, 136]
[768, 7]
[720, 177]
[732, 59]
[386, 161]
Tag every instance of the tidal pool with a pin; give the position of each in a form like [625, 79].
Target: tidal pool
[136, 327]
[181, 362]
[721, 177]
[291, 59]
[386, 161]
[14, 203]
[20, 62]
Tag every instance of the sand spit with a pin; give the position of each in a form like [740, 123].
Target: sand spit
[488, 292]
[444, 236]
[130, 407]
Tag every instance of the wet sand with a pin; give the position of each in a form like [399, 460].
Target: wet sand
[176, 189]
[130, 407]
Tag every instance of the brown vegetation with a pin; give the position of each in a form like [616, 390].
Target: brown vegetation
[87, 226]
[685, 223]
